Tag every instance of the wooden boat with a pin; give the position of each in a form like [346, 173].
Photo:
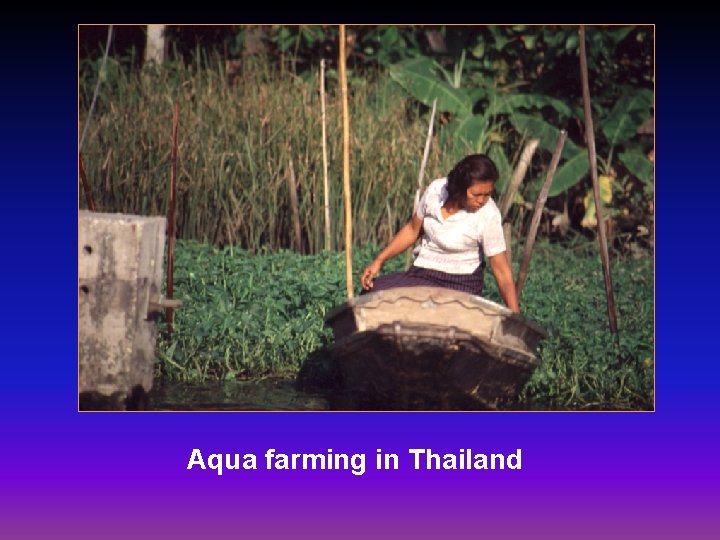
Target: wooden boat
[430, 348]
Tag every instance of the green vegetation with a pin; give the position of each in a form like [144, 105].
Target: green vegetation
[247, 316]
[235, 144]
[253, 308]
[583, 365]
[241, 126]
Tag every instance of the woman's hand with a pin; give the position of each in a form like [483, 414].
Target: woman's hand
[372, 270]
[404, 238]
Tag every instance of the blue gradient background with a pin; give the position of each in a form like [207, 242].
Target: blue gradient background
[64, 474]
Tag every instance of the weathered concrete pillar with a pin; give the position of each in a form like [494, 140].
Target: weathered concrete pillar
[120, 271]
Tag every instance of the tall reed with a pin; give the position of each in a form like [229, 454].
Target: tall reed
[234, 151]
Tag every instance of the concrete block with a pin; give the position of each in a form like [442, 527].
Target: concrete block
[120, 271]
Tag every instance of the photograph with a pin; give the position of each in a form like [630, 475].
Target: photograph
[406, 218]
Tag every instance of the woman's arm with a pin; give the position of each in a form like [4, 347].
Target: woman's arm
[503, 276]
[404, 238]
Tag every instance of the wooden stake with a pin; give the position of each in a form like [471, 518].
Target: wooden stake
[537, 211]
[507, 233]
[509, 194]
[326, 184]
[346, 165]
[171, 218]
[292, 187]
[518, 175]
[426, 153]
[85, 184]
[421, 173]
[602, 233]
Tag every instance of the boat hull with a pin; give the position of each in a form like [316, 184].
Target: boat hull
[427, 348]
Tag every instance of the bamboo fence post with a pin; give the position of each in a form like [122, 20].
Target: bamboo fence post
[602, 233]
[326, 185]
[421, 173]
[517, 176]
[537, 212]
[171, 218]
[346, 165]
[85, 184]
[292, 187]
[507, 233]
[426, 153]
[509, 194]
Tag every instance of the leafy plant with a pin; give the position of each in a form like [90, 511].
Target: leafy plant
[537, 51]
[248, 316]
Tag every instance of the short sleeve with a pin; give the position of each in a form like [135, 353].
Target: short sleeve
[430, 198]
[421, 209]
[493, 239]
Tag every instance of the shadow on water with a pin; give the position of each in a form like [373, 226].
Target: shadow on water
[312, 390]
[317, 387]
[266, 394]
[136, 400]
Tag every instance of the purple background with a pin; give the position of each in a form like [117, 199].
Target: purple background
[65, 474]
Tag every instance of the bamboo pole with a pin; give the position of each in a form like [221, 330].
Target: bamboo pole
[326, 184]
[171, 218]
[537, 212]
[426, 153]
[421, 173]
[507, 233]
[346, 165]
[85, 184]
[292, 187]
[97, 87]
[509, 194]
[517, 176]
[602, 233]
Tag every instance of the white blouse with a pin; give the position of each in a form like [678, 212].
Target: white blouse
[456, 245]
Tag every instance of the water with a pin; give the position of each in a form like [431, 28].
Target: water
[266, 394]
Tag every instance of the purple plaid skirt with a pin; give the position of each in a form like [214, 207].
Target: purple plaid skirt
[416, 276]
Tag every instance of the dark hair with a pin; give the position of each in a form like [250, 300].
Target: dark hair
[468, 170]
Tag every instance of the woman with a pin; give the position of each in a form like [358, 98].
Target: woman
[459, 223]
